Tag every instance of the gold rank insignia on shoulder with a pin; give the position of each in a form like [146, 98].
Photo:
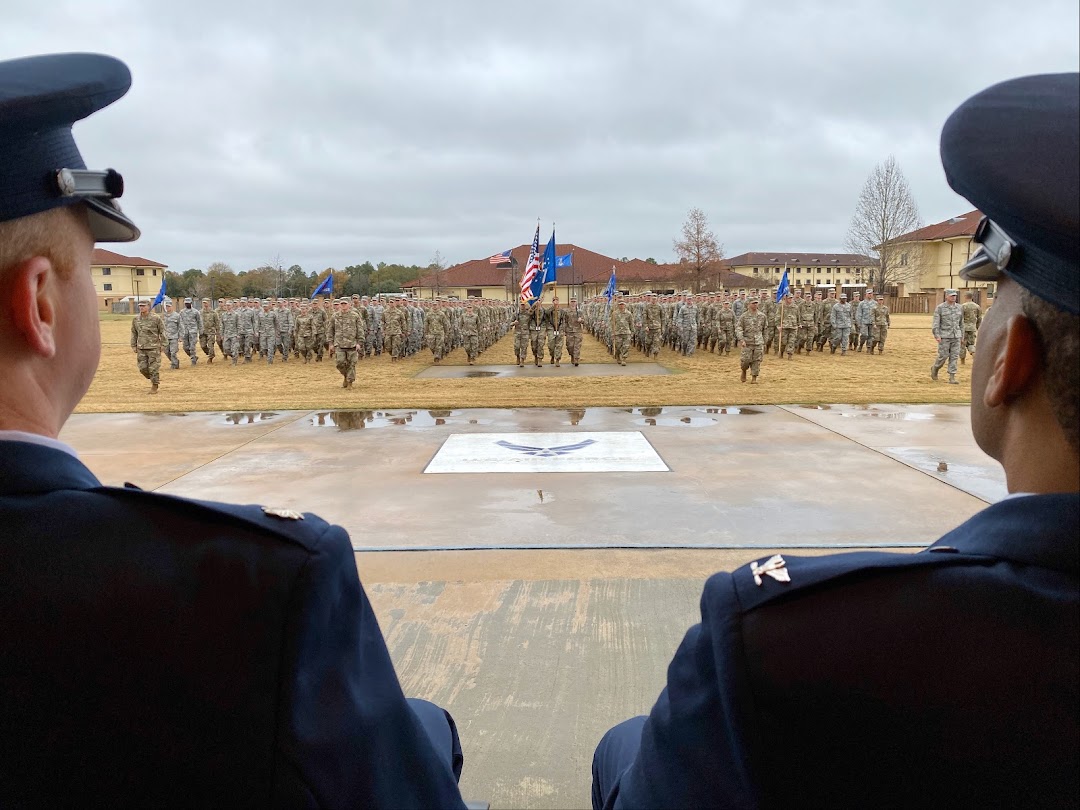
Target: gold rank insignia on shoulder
[774, 567]
[284, 514]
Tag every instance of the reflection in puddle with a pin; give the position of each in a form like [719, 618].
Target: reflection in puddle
[733, 411]
[898, 415]
[817, 407]
[672, 421]
[359, 420]
[576, 415]
[482, 373]
[245, 417]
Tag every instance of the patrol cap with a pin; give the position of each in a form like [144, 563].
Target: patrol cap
[187, 300]
[1013, 150]
[949, 293]
[41, 97]
[843, 295]
[206, 300]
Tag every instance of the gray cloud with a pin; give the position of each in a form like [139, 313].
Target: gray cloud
[332, 132]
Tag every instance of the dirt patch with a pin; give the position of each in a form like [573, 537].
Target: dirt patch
[901, 375]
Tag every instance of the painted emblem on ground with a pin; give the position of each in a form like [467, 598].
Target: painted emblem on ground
[615, 451]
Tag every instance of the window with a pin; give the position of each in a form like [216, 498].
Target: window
[903, 259]
[107, 287]
[140, 272]
[847, 280]
[106, 271]
[155, 272]
[755, 269]
[474, 293]
[798, 270]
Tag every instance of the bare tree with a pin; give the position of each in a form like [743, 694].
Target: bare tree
[886, 210]
[276, 265]
[698, 248]
[436, 268]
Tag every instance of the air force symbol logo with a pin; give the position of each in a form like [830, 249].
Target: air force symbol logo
[545, 452]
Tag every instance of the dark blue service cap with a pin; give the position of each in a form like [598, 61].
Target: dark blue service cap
[1013, 150]
[40, 165]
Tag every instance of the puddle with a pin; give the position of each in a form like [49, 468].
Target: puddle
[731, 411]
[360, 420]
[674, 421]
[245, 417]
[816, 407]
[483, 373]
[901, 416]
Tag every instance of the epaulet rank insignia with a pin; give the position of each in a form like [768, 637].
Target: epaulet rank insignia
[284, 514]
[774, 567]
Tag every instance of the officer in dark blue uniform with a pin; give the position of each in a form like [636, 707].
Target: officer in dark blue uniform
[156, 651]
[946, 678]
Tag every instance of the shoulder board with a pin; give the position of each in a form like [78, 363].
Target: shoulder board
[301, 528]
[781, 576]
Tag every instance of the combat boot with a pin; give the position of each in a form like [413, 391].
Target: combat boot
[832, 350]
[210, 360]
[153, 388]
[234, 361]
[933, 372]
[194, 361]
[743, 379]
[753, 379]
[952, 380]
[963, 360]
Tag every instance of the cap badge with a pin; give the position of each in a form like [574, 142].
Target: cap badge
[774, 567]
[284, 514]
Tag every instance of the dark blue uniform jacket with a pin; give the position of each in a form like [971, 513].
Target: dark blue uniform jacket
[156, 651]
[944, 678]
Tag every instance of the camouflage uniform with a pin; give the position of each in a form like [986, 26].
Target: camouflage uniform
[879, 329]
[268, 329]
[789, 326]
[555, 323]
[346, 333]
[304, 334]
[807, 326]
[210, 330]
[840, 318]
[434, 334]
[864, 318]
[574, 325]
[521, 334]
[750, 330]
[172, 337]
[653, 319]
[537, 333]
[285, 322]
[621, 330]
[470, 335]
[948, 327]
[725, 329]
[190, 327]
[688, 327]
[148, 340]
[230, 333]
[247, 324]
[972, 321]
[396, 322]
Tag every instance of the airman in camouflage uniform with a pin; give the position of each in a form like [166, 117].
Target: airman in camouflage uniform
[807, 324]
[303, 336]
[879, 329]
[948, 329]
[537, 333]
[621, 330]
[750, 332]
[688, 326]
[247, 323]
[230, 332]
[825, 328]
[652, 318]
[554, 326]
[789, 325]
[972, 321]
[725, 329]
[346, 334]
[434, 333]
[575, 325]
[148, 341]
[190, 327]
[522, 320]
[840, 318]
[864, 317]
[268, 330]
[172, 335]
[209, 330]
[395, 330]
[470, 333]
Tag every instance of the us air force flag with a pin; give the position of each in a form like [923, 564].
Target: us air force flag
[783, 288]
[327, 286]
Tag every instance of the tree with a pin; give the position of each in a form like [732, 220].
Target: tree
[189, 283]
[174, 285]
[436, 268]
[886, 210]
[296, 281]
[219, 282]
[698, 249]
[650, 260]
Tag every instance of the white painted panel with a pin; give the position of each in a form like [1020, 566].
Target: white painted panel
[613, 451]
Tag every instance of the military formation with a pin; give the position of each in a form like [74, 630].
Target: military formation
[345, 330]
[348, 330]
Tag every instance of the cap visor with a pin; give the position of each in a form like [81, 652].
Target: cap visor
[108, 224]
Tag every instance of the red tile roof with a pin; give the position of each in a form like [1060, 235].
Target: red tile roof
[780, 258]
[589, 268]
[106, 258]
[963, 225]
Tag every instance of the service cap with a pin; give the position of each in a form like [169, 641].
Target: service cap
[41, 97]
[1013, 150]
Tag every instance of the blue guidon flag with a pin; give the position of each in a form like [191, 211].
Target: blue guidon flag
[327, 286]
[783, 288]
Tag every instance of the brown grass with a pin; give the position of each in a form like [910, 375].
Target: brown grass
[900, 375]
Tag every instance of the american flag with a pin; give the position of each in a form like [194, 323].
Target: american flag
[500, 258]
[532, 267]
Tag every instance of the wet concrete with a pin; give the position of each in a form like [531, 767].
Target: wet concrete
[738, 476]
[546, 370]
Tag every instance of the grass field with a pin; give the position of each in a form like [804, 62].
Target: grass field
[900, 375]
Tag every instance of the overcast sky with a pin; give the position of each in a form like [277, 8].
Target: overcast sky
[329, 133]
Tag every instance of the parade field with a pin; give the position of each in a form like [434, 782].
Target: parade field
[901, 375]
